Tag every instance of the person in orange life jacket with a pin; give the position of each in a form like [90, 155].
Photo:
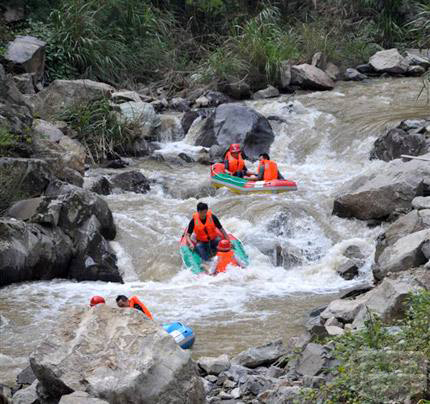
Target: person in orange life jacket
[133, 302]
[225, 256]
[204, 225]
[234, 162]
[267, 170]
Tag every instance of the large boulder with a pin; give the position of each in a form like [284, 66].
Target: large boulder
[263, 355]
[235, 123]
[131, 181]
[116, 355]
[63, 94]
[389, 61]
[32, 252]
[310, 77]
[214, 366]
[412, 222]
[27, 395]
[65, 156]
[26, 54]
[397, 142]
[314, 360]
[22, 178]
[416, 58]
[405, 253]
[387, 189]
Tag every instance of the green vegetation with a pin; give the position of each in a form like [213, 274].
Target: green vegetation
[100, 130]
[379, 361]
[13, 145]
[127, 41]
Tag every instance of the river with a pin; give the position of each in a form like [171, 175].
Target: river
[322, 139]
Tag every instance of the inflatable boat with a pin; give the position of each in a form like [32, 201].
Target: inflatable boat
[183, 335]
[192, 260]
[219, 178]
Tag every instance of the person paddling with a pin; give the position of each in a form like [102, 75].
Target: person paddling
[267, 170]
[204, 225]
[234, 163]
[133, 302]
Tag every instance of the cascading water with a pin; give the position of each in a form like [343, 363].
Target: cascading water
[321, 141]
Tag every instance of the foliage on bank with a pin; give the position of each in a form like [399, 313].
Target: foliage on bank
[380, 360]
[123, 41]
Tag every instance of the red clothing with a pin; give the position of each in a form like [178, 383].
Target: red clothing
[135, 303]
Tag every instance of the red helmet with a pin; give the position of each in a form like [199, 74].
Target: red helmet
[235, 148]
[96, 300]
[224, 245]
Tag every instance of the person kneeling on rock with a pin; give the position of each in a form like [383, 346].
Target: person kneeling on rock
[134, 302]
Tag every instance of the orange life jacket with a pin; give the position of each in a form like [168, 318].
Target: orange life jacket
[235, 164]
[207, 231]
[225, 258]
[134, 301]
[270, 170]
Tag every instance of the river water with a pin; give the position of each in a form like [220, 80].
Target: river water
[321, 140]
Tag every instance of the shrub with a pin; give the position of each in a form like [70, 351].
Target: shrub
[100, 130]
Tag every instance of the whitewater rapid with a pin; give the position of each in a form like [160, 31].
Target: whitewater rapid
[321, 141]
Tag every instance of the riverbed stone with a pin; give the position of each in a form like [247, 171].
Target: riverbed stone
[354, 75]
[80, 397]
[334, 331]
[313, 360]
[415, 71]
[343, 310]
[100, 185]
[214, 366]
[131, 181]
[235, 123]
[26, 376]
[348, 270]
[389, 61]
[25, 83]
[418, 59]
[397, 142]
[405, 253]
[81, 354]
[63, 94]
[421, 202]
[27, 395]
[263, 355]
[310, 77]
[383, 191]
[255, 385]
[26, 54]
[268, 92]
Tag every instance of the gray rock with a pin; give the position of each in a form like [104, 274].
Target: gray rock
[81, 353]
[333, 71]
[238, 373]
[284, 394]
[132, 181]
[25, 209]
[99, 185]
[26, 54]
[269, 92]
[333, 321]
[235, 393]
[62, 94]
[310, 77]
[14, 13]
[334, 331]
[365, 68]
[80, 397]
[229, 384]
[260, 356]
[397, 142]
[405, 253]
[25, 83]
[214, 366]
[387, 300]
[414, 221]
[116, 163]
[416, 59]
[315, 328]
[274, 372]
[421, 202]
[238, 90]
[255, 385]
[389, 61]
[22, 178]
[409, 124]
[319, 60]
[354, 75]
[27, 395]
[354, 252]
[5, 394]
[297, 343]
[180, 104]
[284, 75]
[119, 97]
[26, 376]
[211, 378]
[313, 381]
[348, 270]
[314, 360]
[415, 71]
[234, 123]
[379, 194]
[211, 99]
[343, 310]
